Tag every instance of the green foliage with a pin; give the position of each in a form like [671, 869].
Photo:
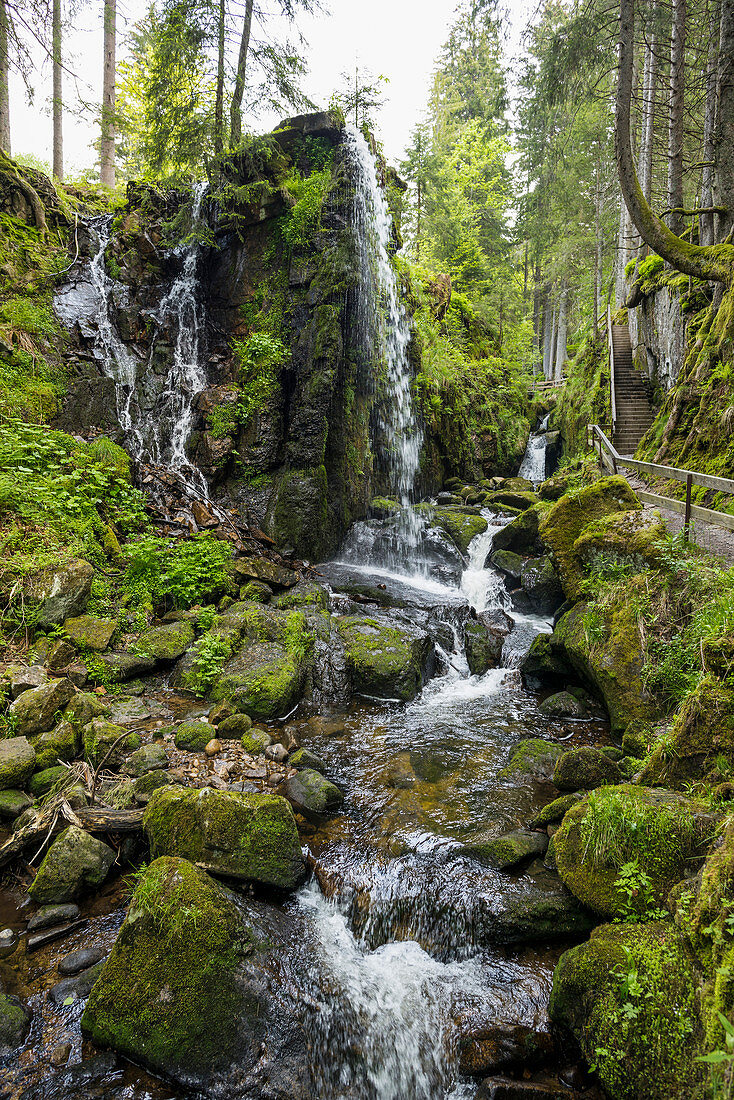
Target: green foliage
[154, 896]
[636, 889]
[183, 571]
[259, 358]
[618, 827]
[210, 654]
[308, 193]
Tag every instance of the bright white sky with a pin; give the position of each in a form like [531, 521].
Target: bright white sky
[398, 38]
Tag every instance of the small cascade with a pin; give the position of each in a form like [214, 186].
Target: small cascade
[384, 333]
[533, 463]
[156, 410]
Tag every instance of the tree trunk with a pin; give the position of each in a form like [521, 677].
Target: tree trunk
[107, 147]
[537, 321]
[706, 221]
[649, 86]
[235, 111]
[703, 263]
[4, 81]
[58, 103]
[219, 104]
[597, 250]
[29, 193]
[724, 139]
[418, 223]
[677, 106]
[623, 233]
[562, 333]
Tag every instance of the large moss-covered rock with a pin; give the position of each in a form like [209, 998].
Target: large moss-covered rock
[264, 679]
[90, 632]
[120, 665]
[15, 1022]
[521, 535]
[533, 758]
[63, 742]
[17, 761]
[461, 527]
[664, 832]
[483, 647]
[245, 836]
[585, 768]
[508, 850]
[311, 794]
[167, 642]
[13, 803]
[48, 781]
[545, 662]
[630, 540]
[146, 759]
[62, 591]
[104, 740]
[564, 521]
[34, 711]
[193, 736]
[260, 569]
[702, 731]
[540, 582]
[605, 648]
[177, 993]
[74, 864]
[630, 997]
[382, 659]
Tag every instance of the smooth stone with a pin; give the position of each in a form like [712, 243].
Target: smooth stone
[78, 988]
[311, 794]
[60, 1054]
[213, 747]
[50, 915]
[233, 726]
[276, 752]
[304, 758]
[509, 850]
[80, 960]
[562, 705]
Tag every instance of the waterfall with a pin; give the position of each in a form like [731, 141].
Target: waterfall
[533, 463]
[156, 411]
[383, 331]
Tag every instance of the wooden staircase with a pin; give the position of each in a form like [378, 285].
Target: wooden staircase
[630, 388]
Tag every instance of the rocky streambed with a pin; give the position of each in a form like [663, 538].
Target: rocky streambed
[335, 875]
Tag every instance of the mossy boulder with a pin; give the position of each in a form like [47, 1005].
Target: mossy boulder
[482, 646]
[605, 648]
[304, 758]
[643, 1037]
[48, 780]
[533, 758]
[384, 660]
[508, 562]
[554, 811]
[13, 803]
[35, 710]
[264, 679]
[255, 741]
[103, 739]
[193, 736]
[545, 662]
[562, 705]
[304, 594]
[15, 1023]
[62, 591]
[627, 540]
[167, 642]
[234, 725]
[664, 832]
[256, 592]
[539, 581]
[175, 994]
[512, 499]
[61, 743]
[144, 785]
[147, 758]
[90, 632]
[521, 534]
[243, 836]
[74, 864]
[312, 795]
[584, 769]
[260, 569]
[17, 761]
[509, 850]
[702, 732]
[461, 527]
[563, 523]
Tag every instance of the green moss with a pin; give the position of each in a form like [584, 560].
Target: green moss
[168, 995]
[460, 527]
[194, 736]
[245, 836]
[382, 660]
[533, 757]
[264, 680]
[701, 734]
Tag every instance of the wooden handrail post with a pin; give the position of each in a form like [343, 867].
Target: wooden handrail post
[687, 518]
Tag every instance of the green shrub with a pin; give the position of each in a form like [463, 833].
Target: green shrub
[185, 571]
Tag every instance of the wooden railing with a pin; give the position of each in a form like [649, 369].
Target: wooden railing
[611, 370]
[613, 461]
[540, 383]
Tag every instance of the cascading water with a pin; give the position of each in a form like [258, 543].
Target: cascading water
[384, 332]
[157, 428]
[533, 463]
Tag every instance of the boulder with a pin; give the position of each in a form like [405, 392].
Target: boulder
[540, 582]
[74, 864]
[255, 741]
[13, 803]
[623, 540]
[47, 781]
[545, 662]
[533, 758]
[243, 836]
[521, 500]
[167, 642]
[508, 562]
[62, 592]
[702, 733]
[584, 769]
[186, 993]
[304, 758]
[147, 758]
[104, 740]
[144, 785]
[461, 527]
[630, 997]
[264, 679]
[35, 710]
[27, 677]
[76, 961]
[89, 632]
[260, 569]
[17, 761]
[519, 535]
[564, 521]
[562, 705]
[78, 988]
[63, 742]
[15, 1023]
[663, 833]
[494, 1046]
[554, 811]
[193, 736]
[312, 795]
[483, 647]
[234, 726]
[48, 916]
[604, 647]
[304, 594]
[383, 660]
[509, 850]
[120, 665]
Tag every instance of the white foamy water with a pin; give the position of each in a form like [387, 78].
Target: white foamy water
[533, 463]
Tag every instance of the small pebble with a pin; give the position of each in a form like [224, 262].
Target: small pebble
[7, 935]
[213, 747]
[60, 1054]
